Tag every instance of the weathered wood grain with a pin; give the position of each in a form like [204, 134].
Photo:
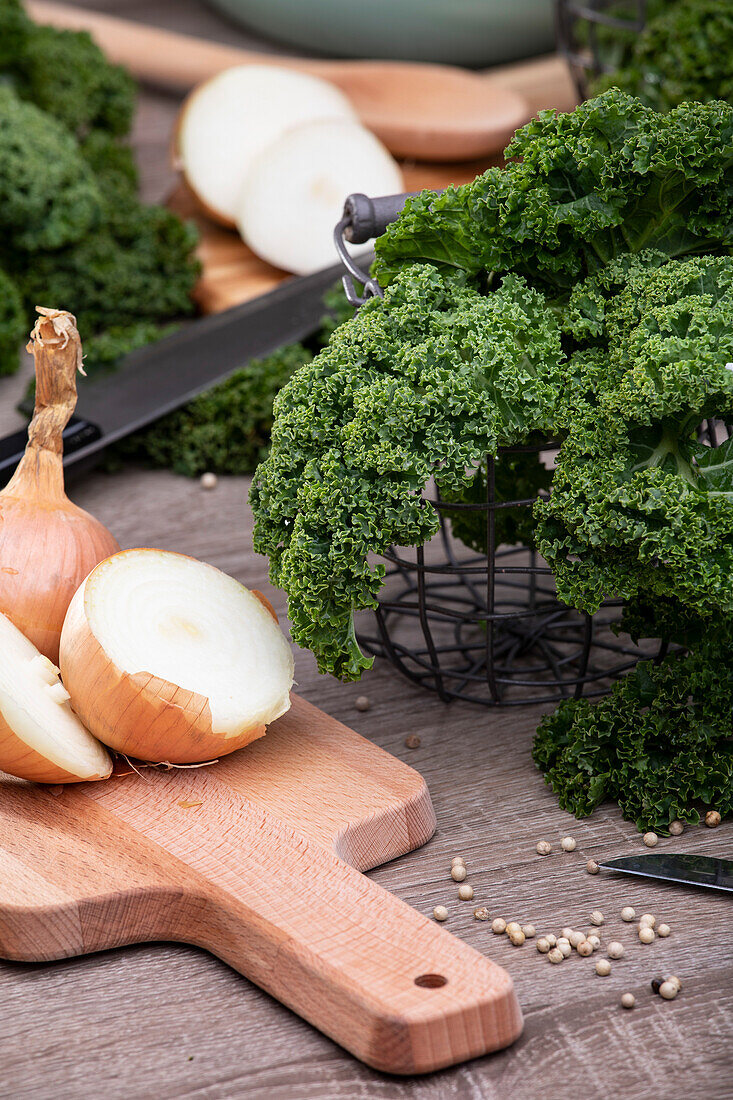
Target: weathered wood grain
[176, 1024]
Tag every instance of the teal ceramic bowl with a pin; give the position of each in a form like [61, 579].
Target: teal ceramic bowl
[459, 32]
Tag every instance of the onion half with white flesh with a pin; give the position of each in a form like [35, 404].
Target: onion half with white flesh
[40, 736]
[169, 659]
[294, 192]
[228, 120]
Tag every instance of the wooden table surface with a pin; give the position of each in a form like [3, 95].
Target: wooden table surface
[167, 1021]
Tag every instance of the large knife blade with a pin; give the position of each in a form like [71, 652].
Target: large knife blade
[153, 381]
[689, 870]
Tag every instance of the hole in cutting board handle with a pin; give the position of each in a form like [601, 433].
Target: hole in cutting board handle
[431, 981]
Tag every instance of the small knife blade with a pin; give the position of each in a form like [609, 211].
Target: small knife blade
[688, 869]
[156, 379]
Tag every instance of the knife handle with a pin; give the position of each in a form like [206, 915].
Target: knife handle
[77, 434]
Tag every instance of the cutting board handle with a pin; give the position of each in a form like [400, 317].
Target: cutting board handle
[384, 981]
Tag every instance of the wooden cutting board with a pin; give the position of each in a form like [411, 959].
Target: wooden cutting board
[259, 860]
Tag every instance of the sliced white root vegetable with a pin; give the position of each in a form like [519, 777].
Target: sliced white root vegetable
[227, 121]
[169, 659]
[40, 736]
[294, 193]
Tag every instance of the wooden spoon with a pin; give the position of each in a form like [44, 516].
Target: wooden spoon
[429, 112]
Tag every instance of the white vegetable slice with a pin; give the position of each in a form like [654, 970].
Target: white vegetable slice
[227, 122]
[294, 193]
[169, 659]
[40, 736]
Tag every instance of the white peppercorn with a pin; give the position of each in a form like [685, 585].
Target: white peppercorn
[362, 702]
[482, 913]
[575, 938]
[564, 947]
[440, 913]
[458, 872]
[595, 942]
[543, 848]
[663, 930]
[647, 918]
[628, 1000]
[647, 934]
[650, 839]
[567, 844]
[458, 859]
[585, 948]
[668, 990]
[517, 938]
[465, 892]
[513, 926]
[615, 949]
[592, 867]
[209, 481]
[543, 945]
[555, 955]
[529, 931]
[675, 981]
[603, 968]
[627, 913]
[551, 939]
[597, 918]
[498, 926]
[712, 819]
[676, 828]
[566, 933]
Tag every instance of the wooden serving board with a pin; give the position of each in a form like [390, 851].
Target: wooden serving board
[258, 859]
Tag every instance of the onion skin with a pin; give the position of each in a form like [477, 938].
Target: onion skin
[24, 762]
[140, 715]
[47, 544]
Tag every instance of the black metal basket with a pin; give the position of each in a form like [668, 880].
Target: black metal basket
[485, 626]
[593, 36]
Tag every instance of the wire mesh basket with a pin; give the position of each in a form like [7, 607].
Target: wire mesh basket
[593, 36]
[473, 614]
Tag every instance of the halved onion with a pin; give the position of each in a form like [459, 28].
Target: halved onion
[169, 659]
[40, 736]
[294, 192]
[228, 120]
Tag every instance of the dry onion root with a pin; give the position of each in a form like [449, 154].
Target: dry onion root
[47, 544]
[169, 659]
[40, 736]
[228, 120]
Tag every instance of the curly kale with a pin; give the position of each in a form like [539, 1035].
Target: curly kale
[12, 324]
[67, 75]
[15, 27]
[612, 177]
[227, 429]
[48, 195]
[424, 381]
[639, 504]
[683, 53]
[659, 745]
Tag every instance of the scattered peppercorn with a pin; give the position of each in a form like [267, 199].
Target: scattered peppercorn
[551, 939]
[675, 980]
[656, 984]
[465, 892]
[513, 926]
[647, 934]
[498, 926]
[597, 918]
[555, 955]
[362, 703]
[209, 481]
[627, 913]
[615, 950]
[650, 839]
[482, 913]
[576, 938]
[458, 872]
[668, 990]
[440, 912]
[592, 867]
[595, 942]
[603, 968]
[567, 844]
[529, 930]
[566, 933]
[543, 848]
[458, 859]
[676, 828]
[517, 937]
[412, 741]
[585, 948]
[628, 1000]
[663, 930]
[647, 918]
[712, 819]
[543, 945]
[564, 947]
